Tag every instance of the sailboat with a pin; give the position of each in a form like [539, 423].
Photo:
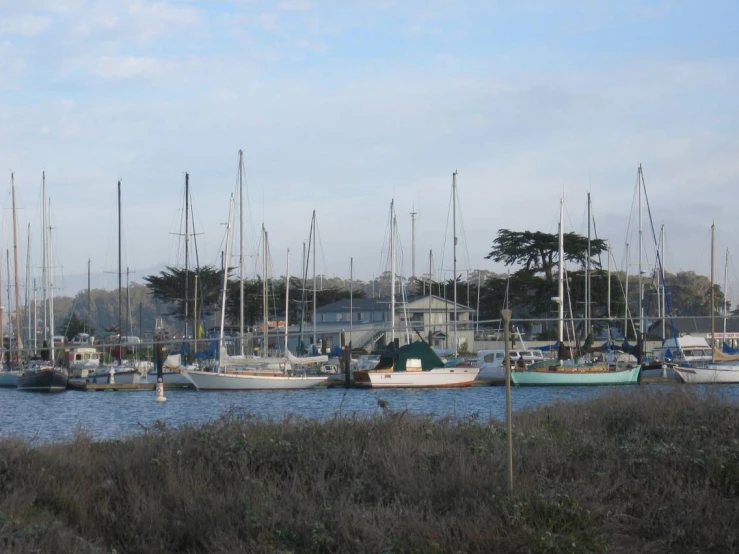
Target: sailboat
[569, 372]
[415, 364]
[43, 375]
[724, 368]
[224, 378]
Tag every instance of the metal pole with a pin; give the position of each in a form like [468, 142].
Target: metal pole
[454, 277]
[506, 315]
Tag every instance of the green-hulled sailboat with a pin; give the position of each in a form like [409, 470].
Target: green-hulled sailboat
[569, 372]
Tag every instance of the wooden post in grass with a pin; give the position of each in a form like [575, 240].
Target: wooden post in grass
[506, 314]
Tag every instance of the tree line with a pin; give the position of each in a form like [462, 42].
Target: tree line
[527, 289]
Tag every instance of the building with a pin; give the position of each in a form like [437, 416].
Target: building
[366, 322]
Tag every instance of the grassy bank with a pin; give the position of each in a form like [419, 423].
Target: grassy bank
[637, 470]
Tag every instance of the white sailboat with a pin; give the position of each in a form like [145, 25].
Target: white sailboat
[225, 378]
[724, 368]
[414, 365]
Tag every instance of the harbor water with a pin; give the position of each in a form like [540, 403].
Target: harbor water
[44, 417]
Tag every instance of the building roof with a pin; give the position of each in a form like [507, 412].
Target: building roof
[381, 304]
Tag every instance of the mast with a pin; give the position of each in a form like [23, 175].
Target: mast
[50, 273]
[663, 284]
[87, 319]
[44, 237]
[351, 302]
[241, 250]
[477, 310]
[221, 344]
[726, 278]
[18, 317]
[187, 257]
[640, 336]
[392, 271]
[303, 278]
[431, 263]
[454, 279]
[10, 319]
[587, 280]
[560, 290]
[313, 227]
[287, 294]
[265, 292]
[35, 319]
[626, 295]
[413, 242]
[713, 324]
[120, 283]
[28, 292]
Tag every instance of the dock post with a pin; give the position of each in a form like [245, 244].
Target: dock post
[506, 314]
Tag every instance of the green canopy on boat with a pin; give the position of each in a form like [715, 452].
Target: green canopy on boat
[415, 350]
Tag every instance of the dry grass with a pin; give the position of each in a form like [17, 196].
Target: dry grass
[638, 470]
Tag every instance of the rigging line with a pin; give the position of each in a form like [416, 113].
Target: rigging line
[668, 299]
[446, 229]
[464, 233]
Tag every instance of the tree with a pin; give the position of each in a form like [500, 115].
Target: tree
[169, 288]
[537, 252]
[72, 326]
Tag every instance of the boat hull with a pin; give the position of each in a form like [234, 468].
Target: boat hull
[169, 378]
[9, 379]
[435, 378]
[570, 377]
[209, 380]
[708, 375]
[44, 380]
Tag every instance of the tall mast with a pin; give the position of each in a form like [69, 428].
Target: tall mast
[120, 283]
[187, 255]
[392, 271]
[10, 304]
[726, 278]
[287, 294]
[313, 227]
[626, 295]
[87, 319]
[413, 243]
[608, 293]
[44, 272]
[351, 302]
[18, 318]
[431, 264]
[226, 257]
[28, 292]
[241, 250]
[640, 336]
[561, 276]
[51, 286]
[663, 284]
[303, 279]
[265, 293]
[713, 300]
[587, 280]
[454, 277]
[35, 319]
[713, 324]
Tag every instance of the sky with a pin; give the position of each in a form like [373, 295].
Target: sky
[341, 107]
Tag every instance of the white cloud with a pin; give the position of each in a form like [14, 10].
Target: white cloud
[24, 25]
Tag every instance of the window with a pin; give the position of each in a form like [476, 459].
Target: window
[360, 316]
[339, 317]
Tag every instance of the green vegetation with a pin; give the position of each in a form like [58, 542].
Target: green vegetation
[633, 471]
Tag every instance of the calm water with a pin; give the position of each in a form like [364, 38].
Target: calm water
[52, 417]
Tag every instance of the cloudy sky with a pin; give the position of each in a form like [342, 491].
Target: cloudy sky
[342, 106]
